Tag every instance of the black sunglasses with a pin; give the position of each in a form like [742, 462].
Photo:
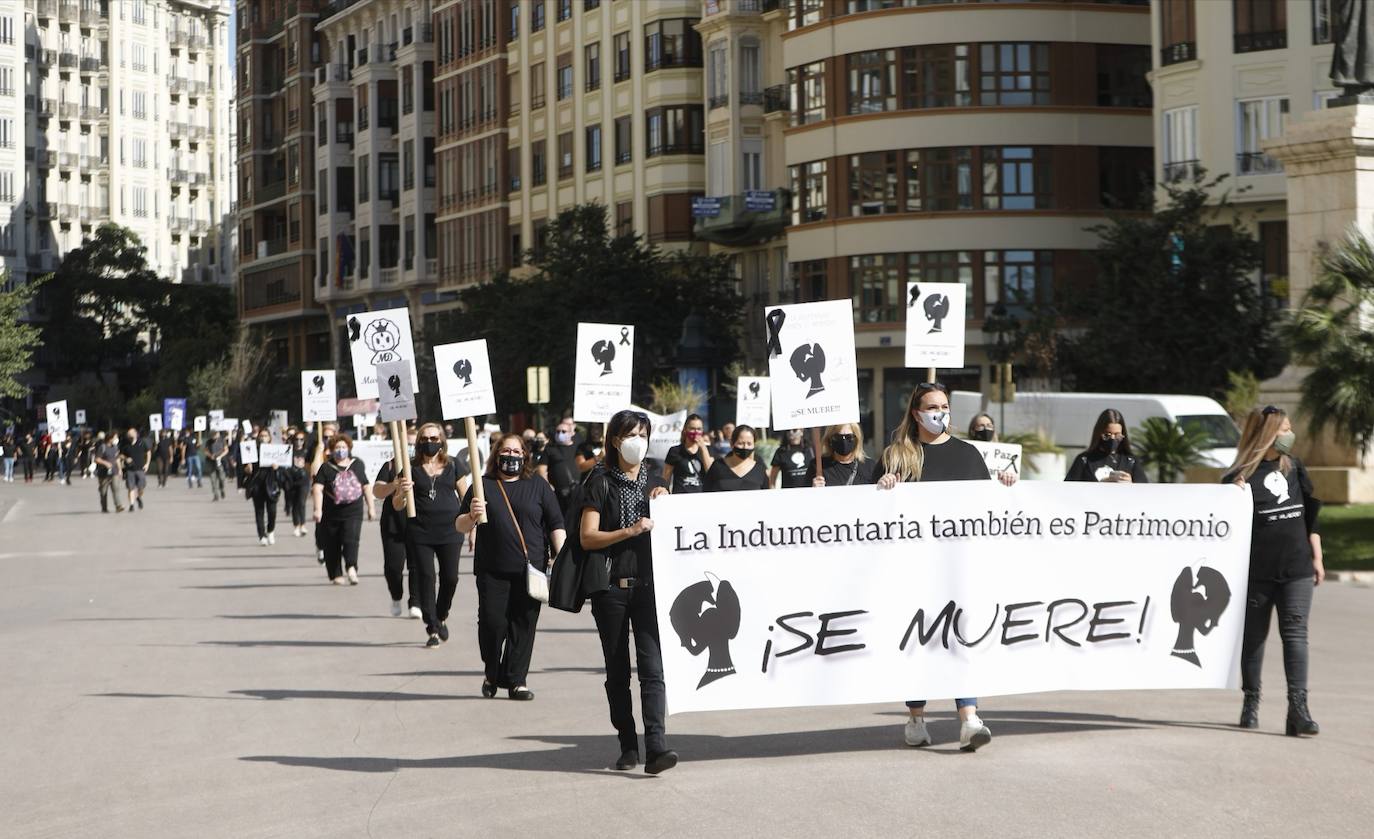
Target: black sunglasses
[1270, 409]
[925, 387]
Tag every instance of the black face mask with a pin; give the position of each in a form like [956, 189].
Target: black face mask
[843, 444]
[428, 448]
[510, 464]
[743, 454]
[984, 434]
[1109, 445]
[539, 445]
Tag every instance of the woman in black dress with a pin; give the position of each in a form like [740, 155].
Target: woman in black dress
[739, 469]
[688, 461]
[1108, 458]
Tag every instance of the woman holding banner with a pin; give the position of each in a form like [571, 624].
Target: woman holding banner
[1285, 560]
[524, 520]
[1108, 458]
[739, 469]
[263, 485]
[339, 497]
[618, 573]
[984, 430]
[843, 462]
[923, 450]
[687, 463]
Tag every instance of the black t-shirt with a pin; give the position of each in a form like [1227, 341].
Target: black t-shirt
[1285, 515]
[137, 454]
[498, 548]
[562, 463]
[840, 474]
[953, 460]
[164, 447]
[688, 468]
[796, 464]
[590, 450]
[192, 447]
[1095, 464]
[721, 478]
[326, 476]
[434, 518]
[392, 520]
[631, 557]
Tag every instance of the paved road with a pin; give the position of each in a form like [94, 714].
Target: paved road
[163, 675]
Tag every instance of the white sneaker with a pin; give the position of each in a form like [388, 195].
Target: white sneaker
[915, 732]
[395, 608]
[272, 538]
[263, 541]
[415, 612]
[973, 735]
[353, 576]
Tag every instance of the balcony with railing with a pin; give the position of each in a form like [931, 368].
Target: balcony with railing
[91, 64]
[270, 191]
[45, 159]
[68, 12]
[389, 277]
[1181, 170]
[68, 60]
[1257, 163]
[45, 9]
[326, 73]
[68, 110]
[47, 108]
[747, 218]
[93, 161]
[46, 59]
[776, 99]
[1177, 53]
[67, 160]
[93, 17]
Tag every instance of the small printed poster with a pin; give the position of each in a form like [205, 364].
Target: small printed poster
[812, 364]
[247, 427]
[319, 397]
[199, 423]
[373, 453]
[57, 418]
[396, 390]
[155, 422]
[604, 370]
[248, 451]
[752, 401]
[217, 417]
[464, 371]
[935, 319]
[274, 454]
[376, 338]
[80, 416]
[1000, 457]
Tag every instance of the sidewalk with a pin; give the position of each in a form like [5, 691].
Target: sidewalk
[164, 675]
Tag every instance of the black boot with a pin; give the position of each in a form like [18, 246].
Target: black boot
[1249, 712]
[1299, 720]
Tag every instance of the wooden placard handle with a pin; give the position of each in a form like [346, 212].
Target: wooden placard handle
[398, 452]
[478, 491]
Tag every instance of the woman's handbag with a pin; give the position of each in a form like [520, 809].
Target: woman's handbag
[536, 580]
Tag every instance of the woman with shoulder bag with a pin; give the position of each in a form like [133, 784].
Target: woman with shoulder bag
[263, 484]
[521, 508]
[339, 497]
[618, 574]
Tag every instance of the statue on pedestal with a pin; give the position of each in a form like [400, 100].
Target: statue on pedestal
[1352, 59]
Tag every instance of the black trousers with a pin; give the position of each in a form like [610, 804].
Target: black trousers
[340, 542]
[27, 463]
[1293, 602]
[618, 612]
[396, 560]
[506, 621]
[297, 500]
[264, 508]
[435, 605]
[162, 468]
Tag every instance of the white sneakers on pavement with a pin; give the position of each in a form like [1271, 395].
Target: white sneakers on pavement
[415, 612]
[395, 608]
[915, 733]
[263, 541]
[353, 576]
[973, 735]
[272, 538]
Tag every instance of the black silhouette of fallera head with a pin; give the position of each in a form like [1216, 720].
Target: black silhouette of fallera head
[318, 382]
[937, 309]
[354, 329]
[603, 353]
[1197, 607]
[394, 382]
[706, 616]
[808, 362]
[754, 389]
[462, 368]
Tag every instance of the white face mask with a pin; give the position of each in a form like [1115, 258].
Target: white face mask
[935, 422]
[633, 449]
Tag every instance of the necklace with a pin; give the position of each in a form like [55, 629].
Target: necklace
[433, 482]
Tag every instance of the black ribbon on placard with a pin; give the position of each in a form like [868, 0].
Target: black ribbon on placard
[774, 320]
[624, 336]
[1011, 464]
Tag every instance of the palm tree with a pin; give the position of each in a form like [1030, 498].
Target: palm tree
[1333, 333]
[1169, 447]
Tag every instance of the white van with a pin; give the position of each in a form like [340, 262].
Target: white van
[1068, 418]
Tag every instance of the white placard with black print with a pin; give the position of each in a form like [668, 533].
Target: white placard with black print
[57, 418]
[155, 422]
[464, 372]
[605, 367]
[1002, 457]
[275, 454]
[752, 401]
[935, 314]
[1041, 586]
[80, 416]
[813, 374]
[377, 338]
[319, 396]
[248, 451]
[665, 431]
[200, 423]
[396, 391]
[372, 454]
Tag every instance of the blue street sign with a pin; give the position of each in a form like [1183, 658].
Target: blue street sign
[760, 200]
[705, 207]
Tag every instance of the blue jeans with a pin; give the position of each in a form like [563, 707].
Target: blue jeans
[918, 704]
[193, 470]
[9, 468]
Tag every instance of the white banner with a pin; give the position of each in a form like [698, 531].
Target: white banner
[464, 372]
[965, 588]
[814, 377]
[935, 322]
[155, 422]
[319, 396]
[605, 367]
[275, 454]
[373, 453]
[665, 431]
[396, 391]
[752, 400]
[248, 451]
[376, 338]
[1000, 457]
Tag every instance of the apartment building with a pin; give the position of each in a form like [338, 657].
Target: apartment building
[118, 112]
[1227, 77]
[955, 142]
[278, 53]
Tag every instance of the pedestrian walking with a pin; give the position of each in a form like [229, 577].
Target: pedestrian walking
[398, 564]
[614, 530]
[295, 487]
[28, 450]
[923, 450]
[7, 454]
[794, 460]
[1285, 561]
[264, 487]
[843, 460]
[561, 459]
[524, 521]
[216, 453]
[686, 464]
[1108, 458]
[165, 446]
[107, 472]
[136, 454]
[739, 469]
[340, 496]
[190, 455]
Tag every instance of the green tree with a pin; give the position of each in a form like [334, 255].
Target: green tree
[583, 273]
[18, 337]
[1331, 332]
[1175, 307]
[1169, 447]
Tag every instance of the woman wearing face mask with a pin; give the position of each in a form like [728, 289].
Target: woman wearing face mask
[794, 460]
[739, 469]
[1109, 458]
[524, 521]
[263, 485]
[618, 574]
[688, 461]
[923, 450]
[984, 430]
[339, 498]
[843, 462]
[539, 446]
[1285, 561]
[298, 489]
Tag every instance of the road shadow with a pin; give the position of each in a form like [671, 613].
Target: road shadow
[999, 719]
[307, 644]
[241, 586]
[301, 617]
[357, 695]
[462, 674]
